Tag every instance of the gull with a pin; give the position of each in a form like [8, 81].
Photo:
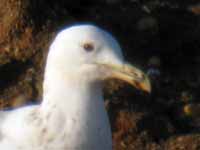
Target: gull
[72, 115]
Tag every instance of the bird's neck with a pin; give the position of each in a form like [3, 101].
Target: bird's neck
[74, 107]
[71, 93]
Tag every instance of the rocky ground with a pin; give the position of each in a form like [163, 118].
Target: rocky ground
[160, 36]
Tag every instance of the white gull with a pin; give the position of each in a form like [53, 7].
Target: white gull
[72, 115]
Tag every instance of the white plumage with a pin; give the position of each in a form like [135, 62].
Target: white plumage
[72, 114]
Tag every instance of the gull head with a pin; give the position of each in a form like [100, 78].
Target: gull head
[86, 52]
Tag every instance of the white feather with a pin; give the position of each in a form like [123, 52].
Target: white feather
[72, 114]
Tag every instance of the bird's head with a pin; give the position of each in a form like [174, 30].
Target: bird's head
[91, 53]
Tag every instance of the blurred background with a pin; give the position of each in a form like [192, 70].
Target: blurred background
[162, 37]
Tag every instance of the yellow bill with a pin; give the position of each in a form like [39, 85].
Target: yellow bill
[129, 74]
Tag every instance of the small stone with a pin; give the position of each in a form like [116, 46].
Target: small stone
[154, 61]
[147, 23]
[186, 96]
[192, 110]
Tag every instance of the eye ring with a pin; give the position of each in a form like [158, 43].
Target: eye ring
[88, 47]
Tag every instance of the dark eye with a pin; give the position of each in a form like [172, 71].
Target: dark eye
[88, 47]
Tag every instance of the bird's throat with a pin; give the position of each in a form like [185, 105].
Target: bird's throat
[78, 109]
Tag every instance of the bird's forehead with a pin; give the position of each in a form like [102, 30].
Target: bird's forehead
[84, 33]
